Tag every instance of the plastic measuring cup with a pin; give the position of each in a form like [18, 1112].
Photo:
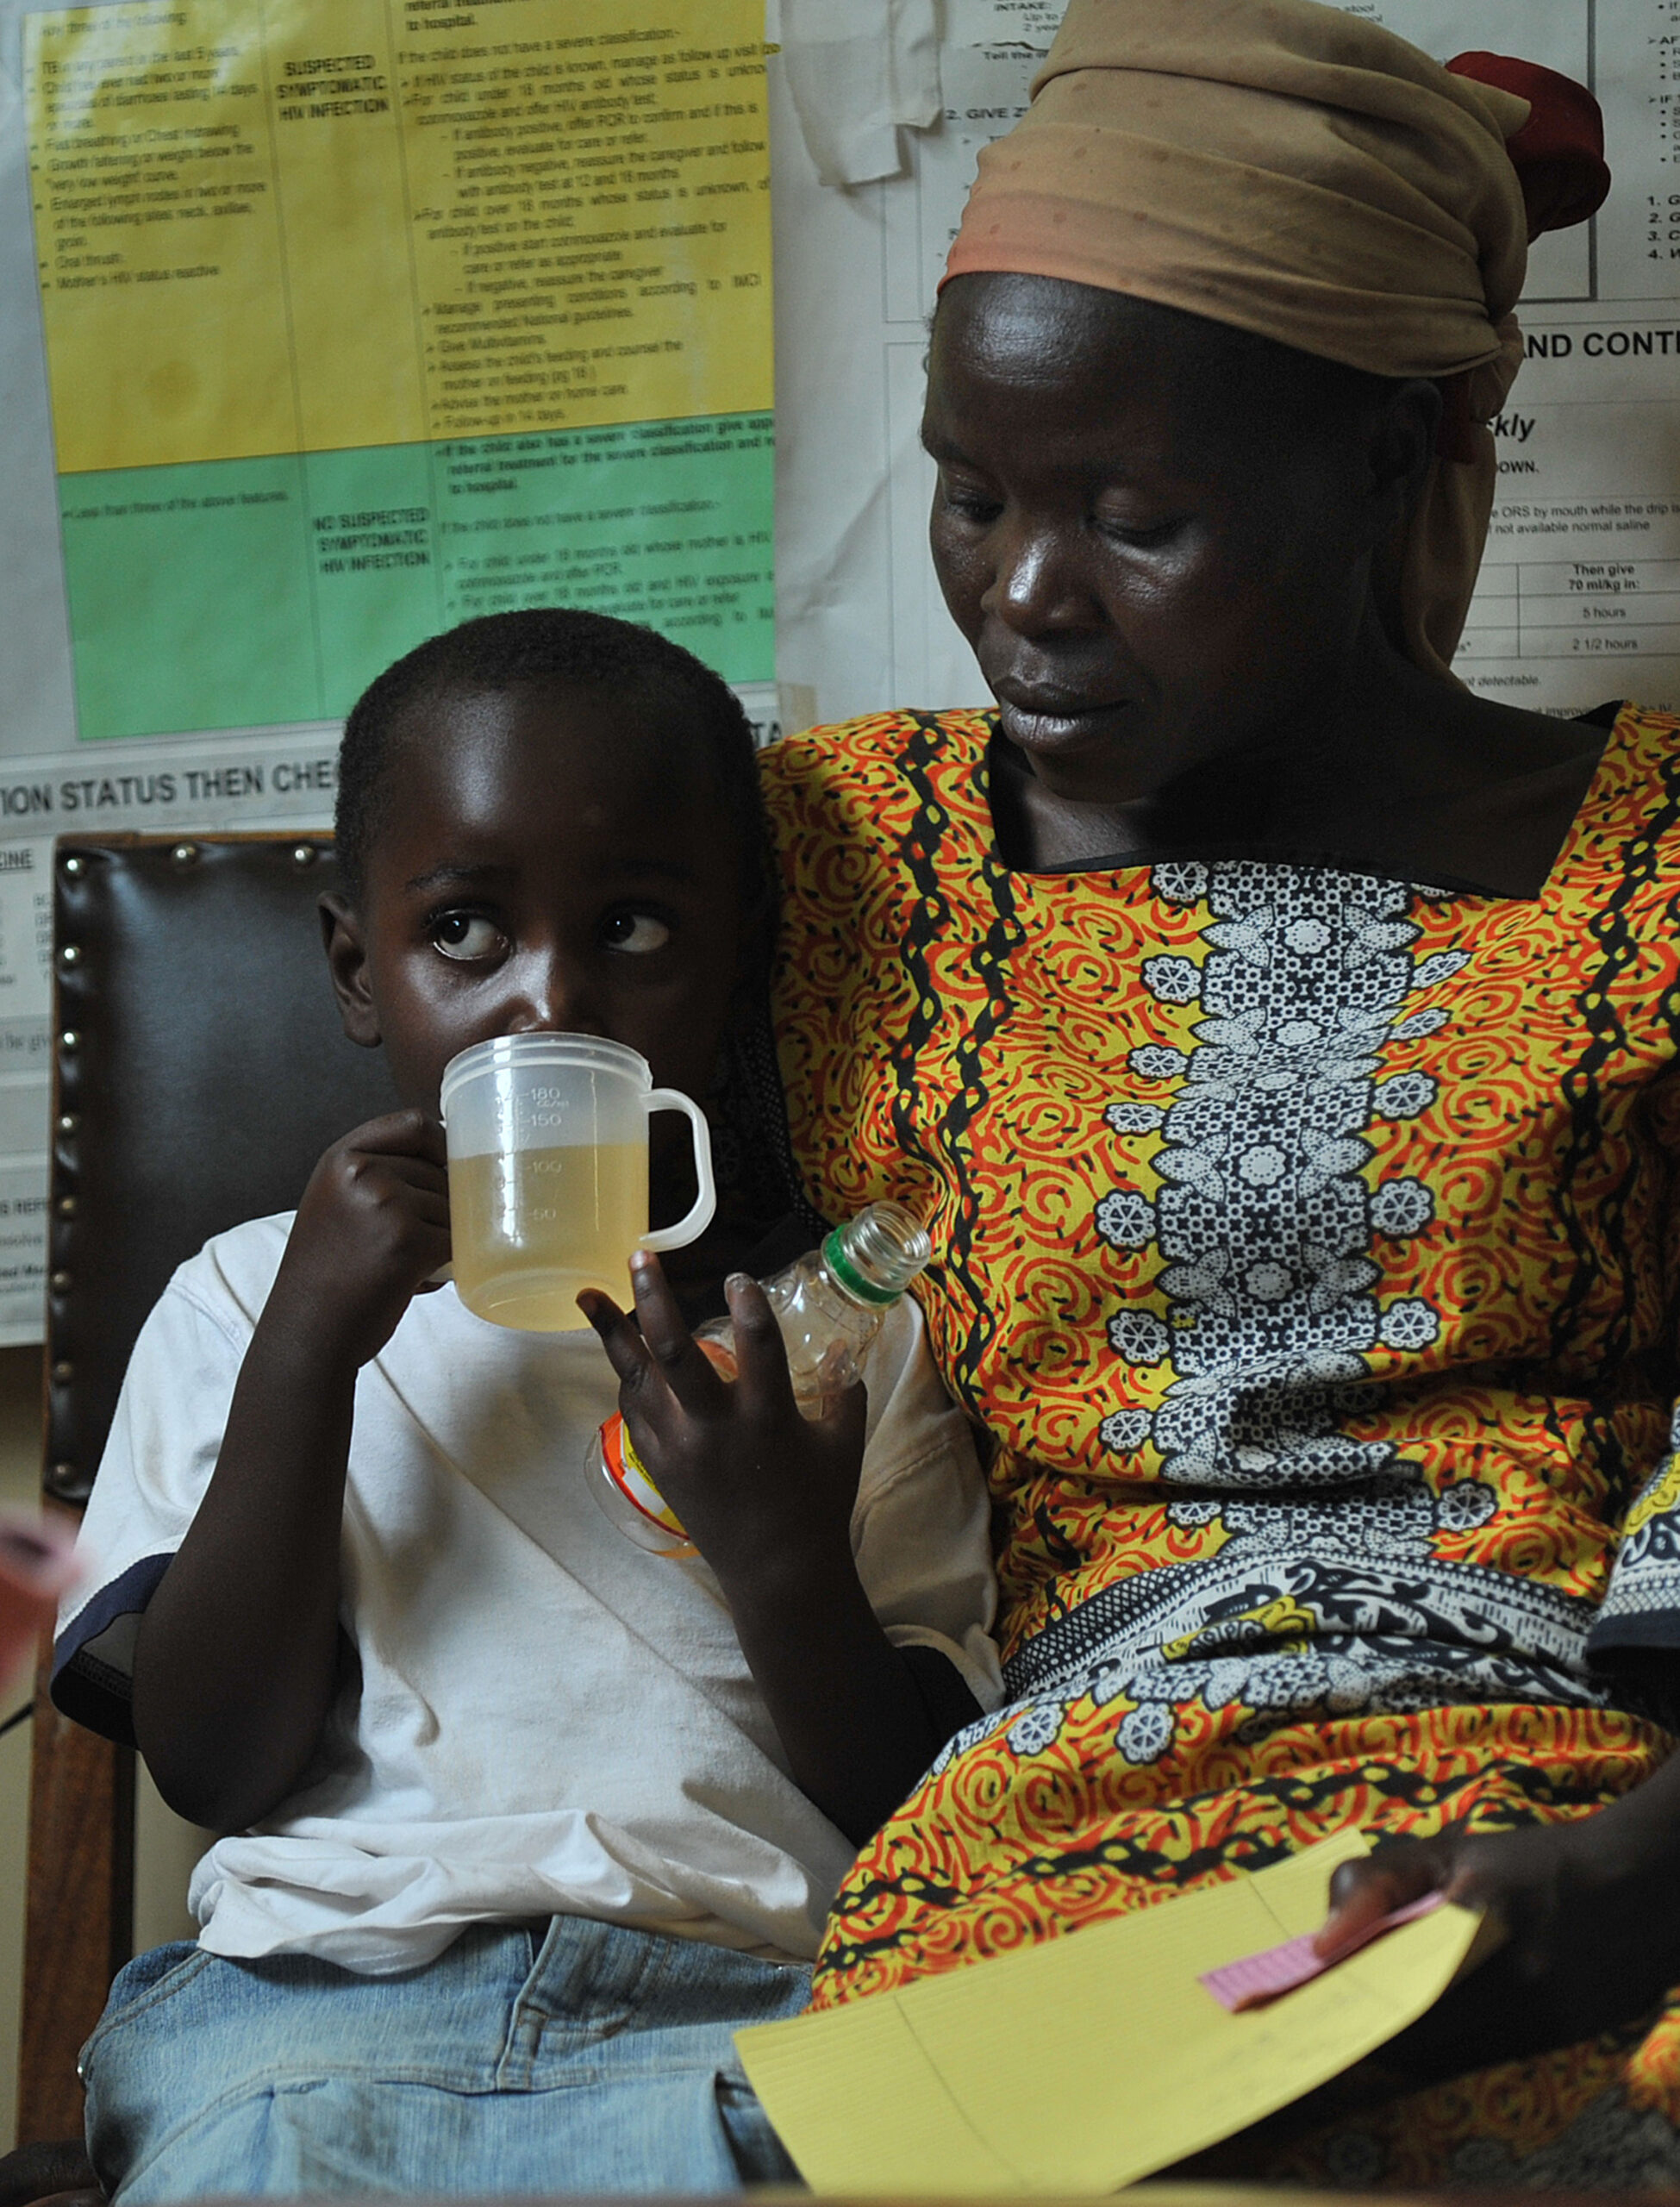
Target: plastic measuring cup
[547, 1138]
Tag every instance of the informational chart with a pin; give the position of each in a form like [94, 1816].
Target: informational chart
[363, 316]
[330, 323]
[1574, 608]
[1588, 447]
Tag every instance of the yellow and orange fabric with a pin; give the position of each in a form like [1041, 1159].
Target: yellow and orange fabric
[1307, 1251]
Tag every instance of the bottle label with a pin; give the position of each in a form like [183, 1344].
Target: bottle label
[628, 1475]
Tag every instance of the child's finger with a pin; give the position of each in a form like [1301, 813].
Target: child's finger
[761, 1355]
[437, 1267]
[402, 1186]
[427, 1189]
[845, 1415]
[686, 1371]
[627, 1353]
[402, 1134]
[412, 1171]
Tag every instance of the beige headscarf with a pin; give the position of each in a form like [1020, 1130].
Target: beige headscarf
[1300, 173]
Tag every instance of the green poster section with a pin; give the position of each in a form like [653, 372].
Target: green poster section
[245, 593]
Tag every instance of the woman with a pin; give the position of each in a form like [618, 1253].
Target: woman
[1279, 1038]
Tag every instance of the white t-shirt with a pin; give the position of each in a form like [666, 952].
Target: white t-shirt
[547, 1719]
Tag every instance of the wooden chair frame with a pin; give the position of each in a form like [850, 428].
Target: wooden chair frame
[79, 1908]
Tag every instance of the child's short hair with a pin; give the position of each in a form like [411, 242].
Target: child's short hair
[503, 651]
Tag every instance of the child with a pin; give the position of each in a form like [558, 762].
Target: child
[519, 1836]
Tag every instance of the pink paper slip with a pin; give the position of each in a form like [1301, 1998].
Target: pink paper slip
[1257, 1979]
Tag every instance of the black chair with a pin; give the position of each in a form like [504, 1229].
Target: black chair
[199, 1071]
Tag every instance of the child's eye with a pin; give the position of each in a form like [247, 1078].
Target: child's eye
[636, 932]
[466, 936]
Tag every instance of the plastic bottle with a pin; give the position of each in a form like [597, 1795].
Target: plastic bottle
[829, 1305]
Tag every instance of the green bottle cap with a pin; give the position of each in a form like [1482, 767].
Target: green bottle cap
[834, 1256]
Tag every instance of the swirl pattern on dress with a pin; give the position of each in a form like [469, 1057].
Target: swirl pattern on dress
[1304, 1246]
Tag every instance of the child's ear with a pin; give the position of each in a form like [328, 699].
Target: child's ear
[346, 947]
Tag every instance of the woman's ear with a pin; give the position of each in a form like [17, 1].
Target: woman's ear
[1402, 446]
[346, 946]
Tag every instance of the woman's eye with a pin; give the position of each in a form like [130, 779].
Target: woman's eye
[636, 932]
[972, 504]
[466, 936]
[1136, 535]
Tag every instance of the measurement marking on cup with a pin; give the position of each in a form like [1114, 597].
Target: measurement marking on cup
[536, 1216]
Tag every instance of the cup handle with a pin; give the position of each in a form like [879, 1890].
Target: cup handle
[705, 1203]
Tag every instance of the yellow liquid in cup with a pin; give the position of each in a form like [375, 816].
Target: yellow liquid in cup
[530, 1230]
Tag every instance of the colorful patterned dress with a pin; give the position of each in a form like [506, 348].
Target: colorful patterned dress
[1307, 1249]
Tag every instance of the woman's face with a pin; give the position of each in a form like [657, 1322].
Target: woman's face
[1155, 532]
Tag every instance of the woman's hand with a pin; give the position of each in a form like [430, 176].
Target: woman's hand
[766, 1494]
[371, 1229]
[1592, 1934]
[760, 1487]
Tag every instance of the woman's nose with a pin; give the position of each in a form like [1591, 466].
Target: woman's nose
[1038, 580]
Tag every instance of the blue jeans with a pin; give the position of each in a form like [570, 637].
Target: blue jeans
[573, 2056]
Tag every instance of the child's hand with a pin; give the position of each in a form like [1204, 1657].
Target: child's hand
[766, 1496]
[373, 1226]
[1591, 1938]
[758, 1487]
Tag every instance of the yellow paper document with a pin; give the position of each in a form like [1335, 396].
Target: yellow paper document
[1085, 2064]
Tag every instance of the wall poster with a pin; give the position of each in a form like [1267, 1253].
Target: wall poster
[1580, 594]
[348, 319]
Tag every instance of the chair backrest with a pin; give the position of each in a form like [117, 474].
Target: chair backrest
[199, 1071]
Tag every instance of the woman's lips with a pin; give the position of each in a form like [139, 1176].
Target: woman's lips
[1045, 722]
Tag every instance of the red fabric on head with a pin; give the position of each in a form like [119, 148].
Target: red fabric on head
[1558, 153]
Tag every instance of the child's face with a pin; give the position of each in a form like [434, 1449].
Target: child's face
[547, 860]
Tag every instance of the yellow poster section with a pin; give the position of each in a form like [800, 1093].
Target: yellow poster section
[278, 226]
[1085, 2064]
